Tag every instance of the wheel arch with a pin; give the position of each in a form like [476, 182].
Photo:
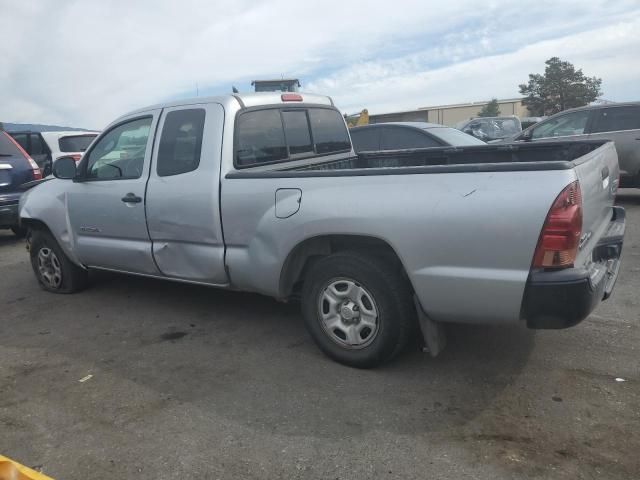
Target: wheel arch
[34, 224]
[305, 253]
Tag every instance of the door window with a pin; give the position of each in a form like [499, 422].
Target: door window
[570, 124]
[366, 139]
[119, 154]
[37, 145]
[181, 142]
[400, 138]
[617, 118]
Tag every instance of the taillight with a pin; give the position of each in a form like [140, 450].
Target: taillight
[37, 174]
[560, 236]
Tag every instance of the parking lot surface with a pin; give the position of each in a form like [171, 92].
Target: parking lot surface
[189, 382]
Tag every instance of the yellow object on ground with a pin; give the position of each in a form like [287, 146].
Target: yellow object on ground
[10, 470]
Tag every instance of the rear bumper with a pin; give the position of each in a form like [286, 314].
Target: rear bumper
[8, 215]
[9, 209]
[563, 298]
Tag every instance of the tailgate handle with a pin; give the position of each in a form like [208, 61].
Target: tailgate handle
[605, 172]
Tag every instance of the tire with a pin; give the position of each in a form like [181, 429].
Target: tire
[19, 232]
[365, 287]
[53, 269]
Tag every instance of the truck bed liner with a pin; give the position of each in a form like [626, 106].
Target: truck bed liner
[482, 158]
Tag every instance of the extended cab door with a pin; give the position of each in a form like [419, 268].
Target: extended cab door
[106, 202]
[183, 202]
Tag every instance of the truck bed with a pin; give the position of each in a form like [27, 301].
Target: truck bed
[528, 156]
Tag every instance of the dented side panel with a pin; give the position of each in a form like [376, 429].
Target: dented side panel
[466, 240]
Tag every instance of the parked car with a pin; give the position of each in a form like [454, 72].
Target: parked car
[619, 122]
[46, 147]
[16, 169]
[491, 128]
[264, 193]
[402, 135]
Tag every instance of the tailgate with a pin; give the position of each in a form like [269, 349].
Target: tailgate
[598, 174]
[560, 298]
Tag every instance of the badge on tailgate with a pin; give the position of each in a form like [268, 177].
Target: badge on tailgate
[288, 202]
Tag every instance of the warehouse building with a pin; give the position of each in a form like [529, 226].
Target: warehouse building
[451, 114]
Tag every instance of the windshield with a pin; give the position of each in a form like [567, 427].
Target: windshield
[76, 143]
[454, 137]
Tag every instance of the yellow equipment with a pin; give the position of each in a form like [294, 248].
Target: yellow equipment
[361, 119]
[10, 470]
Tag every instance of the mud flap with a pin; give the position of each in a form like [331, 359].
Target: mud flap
[433, 332]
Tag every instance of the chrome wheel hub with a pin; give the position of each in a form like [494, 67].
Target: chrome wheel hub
[348, 313]
[49, 267]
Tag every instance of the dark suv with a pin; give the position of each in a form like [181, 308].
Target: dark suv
[619, 122]
[16, 168]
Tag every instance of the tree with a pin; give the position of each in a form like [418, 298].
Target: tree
[561, 87]
[491, 109]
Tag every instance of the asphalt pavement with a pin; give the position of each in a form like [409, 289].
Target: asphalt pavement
[137, 378]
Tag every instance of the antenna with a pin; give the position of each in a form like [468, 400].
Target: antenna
[197, 90]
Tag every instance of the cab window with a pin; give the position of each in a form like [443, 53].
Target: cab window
[181, 142]
[260, 138]
[120, 153]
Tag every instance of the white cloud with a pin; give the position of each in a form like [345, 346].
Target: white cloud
[609, 52]
[86, 62]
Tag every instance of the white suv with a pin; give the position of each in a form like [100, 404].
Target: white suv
[46, 147]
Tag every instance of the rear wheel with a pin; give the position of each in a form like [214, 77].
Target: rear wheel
[357, 308]
[53, 269]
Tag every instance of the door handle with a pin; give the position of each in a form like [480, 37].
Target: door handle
[131, 198]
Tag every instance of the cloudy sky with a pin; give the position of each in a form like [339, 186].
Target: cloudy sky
[83, 63]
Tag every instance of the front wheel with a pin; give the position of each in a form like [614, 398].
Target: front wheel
[53, 269]
[357, 308]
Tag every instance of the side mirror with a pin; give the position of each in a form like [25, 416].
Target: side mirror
[526, 135]
[64, 168]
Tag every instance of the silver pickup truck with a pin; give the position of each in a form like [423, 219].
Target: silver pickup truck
[263, 193]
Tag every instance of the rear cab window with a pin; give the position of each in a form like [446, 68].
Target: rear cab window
[75, 143]
[280, 134]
